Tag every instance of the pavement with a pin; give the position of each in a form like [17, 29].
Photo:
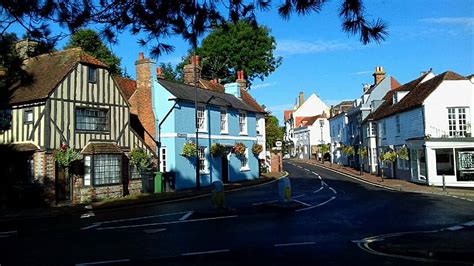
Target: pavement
[452, 244]
[394, 184]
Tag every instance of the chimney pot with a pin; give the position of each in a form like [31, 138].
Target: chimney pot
[141, 56]
[196, 60]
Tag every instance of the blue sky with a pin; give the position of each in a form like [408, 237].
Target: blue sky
[319, 58]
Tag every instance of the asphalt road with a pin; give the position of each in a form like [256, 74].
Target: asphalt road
[334, 211]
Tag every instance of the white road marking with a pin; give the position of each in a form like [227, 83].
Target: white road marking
[299, 196]
[142, 217]
[152, 231]
[8, 232]
[87, 214]
[454, 228]
[318, 205]
[164, 223]
[471, 223]
[316, 191]
[91, 226]
[320, 178]
[294, 244]
[323, 183]
[307, 170]
[88, 207]
[314, 173]
[102, 262]
[205, 252]
[186, 216]
[333, 190]
[261, 203]
[305, 204]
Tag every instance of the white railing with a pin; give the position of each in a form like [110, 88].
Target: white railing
[439, 133]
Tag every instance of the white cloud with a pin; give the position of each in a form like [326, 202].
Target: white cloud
[263, 85]
[463, 21]
[365, 72]
[294, 47]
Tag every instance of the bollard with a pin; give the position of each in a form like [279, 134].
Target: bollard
[444, 183]
[284, 189]
[218, 195]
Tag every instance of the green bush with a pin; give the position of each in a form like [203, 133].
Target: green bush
[189, 150]
[141, 160]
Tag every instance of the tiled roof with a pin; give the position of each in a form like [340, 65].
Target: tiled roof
[287, 114]
[128, 86]
[102, 148]
[418, 92]
[47, 71]
[309, 121]
[393, 85]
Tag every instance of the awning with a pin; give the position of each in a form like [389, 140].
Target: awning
[102, 148]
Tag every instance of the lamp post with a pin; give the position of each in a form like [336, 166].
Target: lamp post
[321, 125]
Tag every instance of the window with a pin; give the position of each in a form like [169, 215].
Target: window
[91, 119]
[87, 170]
[444, 162]
[224, 126]
[397, 121]
[259, 126]
[92, 74]
[5, 119]
[383, 128]
[134, 174]
[28, 119]
[374, 156]
[243, 122]
[107, 169]
[373, 129]
[201, 118]
[163, 155]
[30, 169]
[403, 164]
[244, 161]
[457, 120]
[202, 159]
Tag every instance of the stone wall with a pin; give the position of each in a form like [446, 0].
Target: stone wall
[135, 186]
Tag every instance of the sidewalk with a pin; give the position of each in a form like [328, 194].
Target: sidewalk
[133, 200]
[394, 184]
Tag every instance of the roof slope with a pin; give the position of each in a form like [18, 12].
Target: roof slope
[47, 71]
[287, 114]
[128, 86]
[187, 93]
[415, 98]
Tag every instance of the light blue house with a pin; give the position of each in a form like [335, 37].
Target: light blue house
[223, 118]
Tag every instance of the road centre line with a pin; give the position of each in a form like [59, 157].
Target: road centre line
[102, 262]
[314, 173]
[333, 190]
[294, 244]
[305, 204]
[142, 217]
[454, 228]
[164, 223]
[318, 205]
[307, 170]
[91, 226]
[299, 196]
[471, 223]
[8, 232]
[265, 202]
[186, 216]
[205, 252]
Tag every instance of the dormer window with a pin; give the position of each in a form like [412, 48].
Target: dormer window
[92, 74]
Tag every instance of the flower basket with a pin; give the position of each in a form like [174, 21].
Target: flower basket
[257, 149]
[141, 160]
[239, 149]
[189, 150]
[217, 150]
[403, 153]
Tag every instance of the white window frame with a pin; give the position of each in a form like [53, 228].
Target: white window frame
[224, 130]
[244, 162]
[373, 129]
[259, 126]
[203, 162]
[202, 127]
[397, 124]
[243, 127]
[29, 116]
[87, 170]
[457, 125]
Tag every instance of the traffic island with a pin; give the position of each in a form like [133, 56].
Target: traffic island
[451, 246]
[282, 206]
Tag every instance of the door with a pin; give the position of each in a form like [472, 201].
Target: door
[62, 185]
[225, 169]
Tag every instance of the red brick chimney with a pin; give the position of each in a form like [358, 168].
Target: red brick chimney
[241, 80]
[144, 108]
[159, 73]
[301, 99]
[191, 74]
[379, 75]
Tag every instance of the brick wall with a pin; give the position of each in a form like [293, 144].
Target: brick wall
[276, 163]
[142, 98]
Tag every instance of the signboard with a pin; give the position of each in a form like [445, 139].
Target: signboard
[466, 161]
[181, 135]
[278, 143]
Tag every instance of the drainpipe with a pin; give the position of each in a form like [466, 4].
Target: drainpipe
[158, 142]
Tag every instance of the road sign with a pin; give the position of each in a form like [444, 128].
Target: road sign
[278, 143]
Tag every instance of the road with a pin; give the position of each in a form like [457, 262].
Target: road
[334, 211]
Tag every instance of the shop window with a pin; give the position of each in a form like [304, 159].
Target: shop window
[444, 162]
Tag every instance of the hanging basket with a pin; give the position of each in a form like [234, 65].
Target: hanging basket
[239, 149]
[257, 149]
[217, 150]
[189, 150]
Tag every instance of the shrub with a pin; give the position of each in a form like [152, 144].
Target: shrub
[257, 149]
[189, 150]
[141, 160]
[403, 153]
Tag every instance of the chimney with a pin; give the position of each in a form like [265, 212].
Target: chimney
[143, 97]
[159, 73]
[379, 75]
[192, 75]
[301, 99]
[232, 88]
[25, 47]
[366, 87]
[241, 80]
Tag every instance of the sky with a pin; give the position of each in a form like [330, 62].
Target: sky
[318, 57]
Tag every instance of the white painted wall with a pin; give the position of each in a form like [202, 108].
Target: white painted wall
[311, 107]
[411, 126]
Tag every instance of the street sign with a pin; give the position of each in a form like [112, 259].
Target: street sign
[278, 143]
[181, 135]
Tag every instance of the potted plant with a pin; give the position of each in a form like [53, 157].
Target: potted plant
[403, 153]
[239, 149]
[388, 156]
[217, 150]
[257, 149]
[189, 150]
[64, 157]
[362, 155]
[324, 149]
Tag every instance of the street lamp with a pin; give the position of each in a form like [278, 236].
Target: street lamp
[321, 125]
